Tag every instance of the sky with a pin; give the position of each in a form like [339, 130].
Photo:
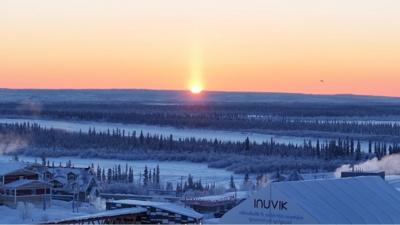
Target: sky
[301, 46]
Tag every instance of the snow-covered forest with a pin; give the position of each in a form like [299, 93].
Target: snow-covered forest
[350, 128]
[312, 119]
[241, 157]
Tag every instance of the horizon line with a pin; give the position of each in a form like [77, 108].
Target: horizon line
[204, 91]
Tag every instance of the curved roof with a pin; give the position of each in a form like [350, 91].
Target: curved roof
[358, 200]
[164, 206]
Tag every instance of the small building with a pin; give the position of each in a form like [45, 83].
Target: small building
[19, 184]
[356, 173]
[73, 182]
[160, 212]
[32, 191]
[356, 200]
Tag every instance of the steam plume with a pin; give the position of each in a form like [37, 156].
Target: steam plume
[11, 143]
[390, 164]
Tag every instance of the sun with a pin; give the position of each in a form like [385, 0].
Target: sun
[196, 89]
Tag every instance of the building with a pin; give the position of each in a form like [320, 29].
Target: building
[72, 182]
[380, 174]
[19, 184]
[216, 204]
[160, 212]
[356, 200]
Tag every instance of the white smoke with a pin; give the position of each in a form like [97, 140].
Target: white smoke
[390, 164]
[11, 143]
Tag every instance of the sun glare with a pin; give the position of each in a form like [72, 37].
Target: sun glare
[196, 89]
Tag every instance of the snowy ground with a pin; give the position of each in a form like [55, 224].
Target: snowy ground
[30, 214]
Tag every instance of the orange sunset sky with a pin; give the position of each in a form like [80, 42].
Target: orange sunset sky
[229, 45]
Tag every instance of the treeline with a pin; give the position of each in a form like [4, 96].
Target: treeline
[243, 108]
[148, 179]
[225, 116]
[120, 144]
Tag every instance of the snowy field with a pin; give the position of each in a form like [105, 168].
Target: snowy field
[30, 214]
[166, 131]
[170, 171]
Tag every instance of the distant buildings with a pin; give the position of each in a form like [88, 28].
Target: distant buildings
[19, 184]
[36, 183]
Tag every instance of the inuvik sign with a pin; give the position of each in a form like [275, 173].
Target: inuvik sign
[267, 206]
[270, 204]
[330, 201]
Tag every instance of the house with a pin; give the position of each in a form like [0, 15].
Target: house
[160, 212]
[356, 200]
[19, 184]
[72, 182]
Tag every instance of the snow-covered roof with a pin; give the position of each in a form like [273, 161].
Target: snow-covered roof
[9, 167]
[23, 182]
[164, 206]
[105, 214]
[83, 176]
[358, 200]
[239, 195]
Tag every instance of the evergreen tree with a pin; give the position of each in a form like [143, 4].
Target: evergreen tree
[232, 185]
[103, 176]
[190, 183]
[98, 173]
[158, 175]
[358, 151]
[246, 179]
[109, 176]
[154, 177]
[145, 176]
[131, 178]
[247, 144]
